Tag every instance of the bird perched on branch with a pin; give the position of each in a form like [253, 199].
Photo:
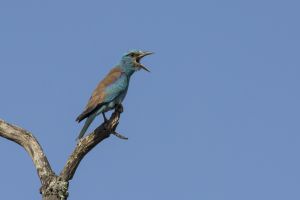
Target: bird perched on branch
[112, 90]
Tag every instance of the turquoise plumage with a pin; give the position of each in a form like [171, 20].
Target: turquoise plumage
[112, 90]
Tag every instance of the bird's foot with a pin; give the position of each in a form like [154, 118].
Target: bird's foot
[119, 108]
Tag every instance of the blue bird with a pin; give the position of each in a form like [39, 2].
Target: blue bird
[112, 90]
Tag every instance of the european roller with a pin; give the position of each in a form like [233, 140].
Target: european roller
[112, 90]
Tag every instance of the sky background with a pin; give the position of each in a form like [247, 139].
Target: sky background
[216, 119]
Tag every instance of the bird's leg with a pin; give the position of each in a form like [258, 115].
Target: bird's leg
[104, 117]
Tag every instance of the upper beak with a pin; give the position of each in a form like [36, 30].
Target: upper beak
[145, 53]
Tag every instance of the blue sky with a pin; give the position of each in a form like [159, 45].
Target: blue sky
[216, 119]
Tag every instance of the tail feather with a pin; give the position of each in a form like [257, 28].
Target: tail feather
[89, 111]
[87, 123]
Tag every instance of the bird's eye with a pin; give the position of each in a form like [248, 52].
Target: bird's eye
[131, 55]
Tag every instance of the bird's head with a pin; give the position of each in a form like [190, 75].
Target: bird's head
[132, 60]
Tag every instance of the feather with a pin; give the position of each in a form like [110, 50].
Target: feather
[99, 95]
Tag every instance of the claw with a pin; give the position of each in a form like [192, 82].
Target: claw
[119, 108]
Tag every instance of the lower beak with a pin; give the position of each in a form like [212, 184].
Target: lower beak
[144, 68]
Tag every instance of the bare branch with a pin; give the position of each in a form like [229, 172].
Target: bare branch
[56, 187]
[31, 145]
[119, 135]
[89, 142]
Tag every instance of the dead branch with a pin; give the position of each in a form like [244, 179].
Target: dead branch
[89, 142]
[31, 145]
[55, 187]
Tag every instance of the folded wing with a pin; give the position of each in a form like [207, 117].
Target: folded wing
[104, 92]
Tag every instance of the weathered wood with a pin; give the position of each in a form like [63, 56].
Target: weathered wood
[31, 145]
[55, 187]
[88, 143]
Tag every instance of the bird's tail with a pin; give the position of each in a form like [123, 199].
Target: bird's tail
[87, 123]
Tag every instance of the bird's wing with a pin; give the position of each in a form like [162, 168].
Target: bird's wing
[102, 93]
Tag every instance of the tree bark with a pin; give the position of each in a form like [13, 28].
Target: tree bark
[55, 187]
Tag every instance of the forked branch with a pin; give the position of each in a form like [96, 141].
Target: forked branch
[31, 145]
[55, 187]
[89, 142]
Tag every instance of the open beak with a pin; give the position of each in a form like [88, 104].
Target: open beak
[143, 54]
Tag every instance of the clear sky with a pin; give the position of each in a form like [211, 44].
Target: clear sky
[216, 119]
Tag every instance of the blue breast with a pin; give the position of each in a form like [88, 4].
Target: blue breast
[116, 92]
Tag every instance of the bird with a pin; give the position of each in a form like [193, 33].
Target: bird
[111, 91]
